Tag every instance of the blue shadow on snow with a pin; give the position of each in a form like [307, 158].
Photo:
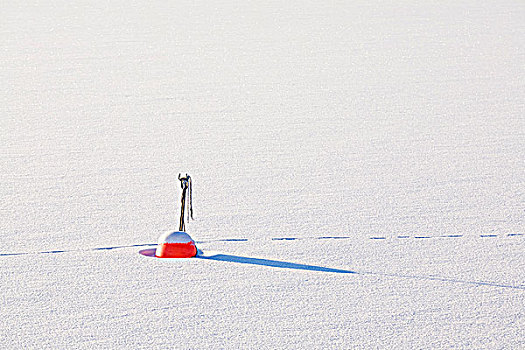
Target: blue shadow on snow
[270, 263]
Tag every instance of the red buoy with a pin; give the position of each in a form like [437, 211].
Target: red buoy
[176, 244]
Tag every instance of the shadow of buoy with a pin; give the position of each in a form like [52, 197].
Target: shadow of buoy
[148, 252]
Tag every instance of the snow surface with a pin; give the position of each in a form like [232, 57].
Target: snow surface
[358, 167]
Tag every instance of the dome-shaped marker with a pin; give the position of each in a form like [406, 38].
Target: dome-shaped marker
[179, 244]
[176, 244]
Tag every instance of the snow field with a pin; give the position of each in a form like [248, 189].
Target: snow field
[383, 140]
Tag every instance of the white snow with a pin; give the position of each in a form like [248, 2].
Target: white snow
[174, 237]
[358, 171]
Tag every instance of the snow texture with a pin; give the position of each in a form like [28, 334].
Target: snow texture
[358, 171]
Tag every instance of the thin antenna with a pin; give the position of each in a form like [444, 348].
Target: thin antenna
[185, 184]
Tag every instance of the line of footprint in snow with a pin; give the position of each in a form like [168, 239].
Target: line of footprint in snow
[273, 239]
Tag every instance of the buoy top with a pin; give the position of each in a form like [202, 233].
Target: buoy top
[175, 237]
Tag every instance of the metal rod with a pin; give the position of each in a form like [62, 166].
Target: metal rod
[185, 182]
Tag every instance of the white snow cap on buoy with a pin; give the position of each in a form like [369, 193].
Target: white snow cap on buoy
[176, 244]
[175, 237]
